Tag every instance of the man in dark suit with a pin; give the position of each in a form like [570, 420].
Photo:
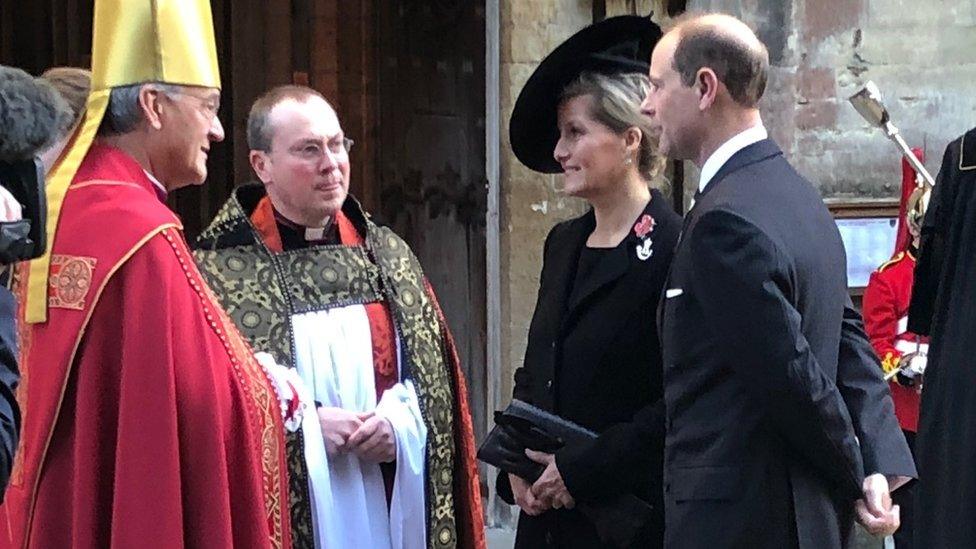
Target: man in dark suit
[766, 383]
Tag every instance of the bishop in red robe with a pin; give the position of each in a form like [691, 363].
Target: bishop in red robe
[147, 421]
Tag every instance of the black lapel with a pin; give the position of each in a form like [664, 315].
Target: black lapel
[611, 267]
[564, 257]
[605, 316]
[756, 152]
[967, 151]
[615, 265]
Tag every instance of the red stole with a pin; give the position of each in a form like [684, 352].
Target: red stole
[146, 418]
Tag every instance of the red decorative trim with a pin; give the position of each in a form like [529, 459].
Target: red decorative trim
[262, 407]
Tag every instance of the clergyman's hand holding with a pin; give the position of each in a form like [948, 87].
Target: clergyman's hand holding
[374, 440]
[337, 426]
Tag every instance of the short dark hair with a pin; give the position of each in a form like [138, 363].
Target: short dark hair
[32, 115]
[742, 68]
[259, 134]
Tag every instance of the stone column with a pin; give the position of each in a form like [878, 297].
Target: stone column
[529, 203]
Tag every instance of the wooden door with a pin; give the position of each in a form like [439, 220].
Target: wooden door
[408, 81]
[430, 184]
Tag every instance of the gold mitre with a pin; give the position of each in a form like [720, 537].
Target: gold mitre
[133, 41]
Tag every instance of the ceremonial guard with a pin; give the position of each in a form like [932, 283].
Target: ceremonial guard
[886, 302]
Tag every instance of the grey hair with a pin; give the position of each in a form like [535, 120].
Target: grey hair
[616, 105]
[123, 113]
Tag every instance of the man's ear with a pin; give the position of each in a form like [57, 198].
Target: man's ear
[150, 104]
[708, 84]
[259, 163]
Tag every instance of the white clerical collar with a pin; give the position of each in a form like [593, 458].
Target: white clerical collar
[314, 233]
[155, 182]
[728, 149]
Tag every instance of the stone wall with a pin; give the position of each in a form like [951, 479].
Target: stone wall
[922, 54]
[530, 203]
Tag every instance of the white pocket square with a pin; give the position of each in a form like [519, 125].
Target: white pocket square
[673, 292]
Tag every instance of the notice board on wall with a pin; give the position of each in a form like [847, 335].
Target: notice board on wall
[869, 231]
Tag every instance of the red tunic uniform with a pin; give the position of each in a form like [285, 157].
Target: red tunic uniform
[886, 301]
[147, 421]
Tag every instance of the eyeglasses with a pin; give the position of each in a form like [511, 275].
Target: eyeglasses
[210, 105]
[313, 152]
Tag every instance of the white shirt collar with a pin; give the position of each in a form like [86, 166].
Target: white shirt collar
[728, 149]
[155, 182]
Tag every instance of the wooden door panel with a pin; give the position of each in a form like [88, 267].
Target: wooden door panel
[431, 157]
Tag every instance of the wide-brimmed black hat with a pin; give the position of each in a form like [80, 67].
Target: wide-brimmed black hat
[616, 45]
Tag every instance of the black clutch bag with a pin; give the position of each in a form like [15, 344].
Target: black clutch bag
[617, 520]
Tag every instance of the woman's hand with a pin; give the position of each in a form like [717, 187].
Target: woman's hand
[550, 488]
[524, 498]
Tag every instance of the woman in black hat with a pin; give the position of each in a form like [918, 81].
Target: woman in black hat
[593, 353]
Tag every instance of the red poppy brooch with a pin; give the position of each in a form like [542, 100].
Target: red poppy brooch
[642, 229]
[644, 226]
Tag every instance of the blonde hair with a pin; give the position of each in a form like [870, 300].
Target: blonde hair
[616, 105]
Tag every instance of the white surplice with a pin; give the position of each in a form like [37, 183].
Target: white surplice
[334, 357]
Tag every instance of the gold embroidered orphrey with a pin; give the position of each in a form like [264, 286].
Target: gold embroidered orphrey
[70, 281]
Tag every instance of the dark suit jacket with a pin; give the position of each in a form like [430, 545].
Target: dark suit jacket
[761, 449]
[868, 399]
[596, 361]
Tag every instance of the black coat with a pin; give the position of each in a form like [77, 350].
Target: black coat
[596, 361]
[944, 306]
[761, 448]
[9, 376]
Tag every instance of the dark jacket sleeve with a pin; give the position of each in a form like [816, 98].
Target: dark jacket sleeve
[618, 459]
[523, 388]
[9, 413]
[883, 446]
[739, 274]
